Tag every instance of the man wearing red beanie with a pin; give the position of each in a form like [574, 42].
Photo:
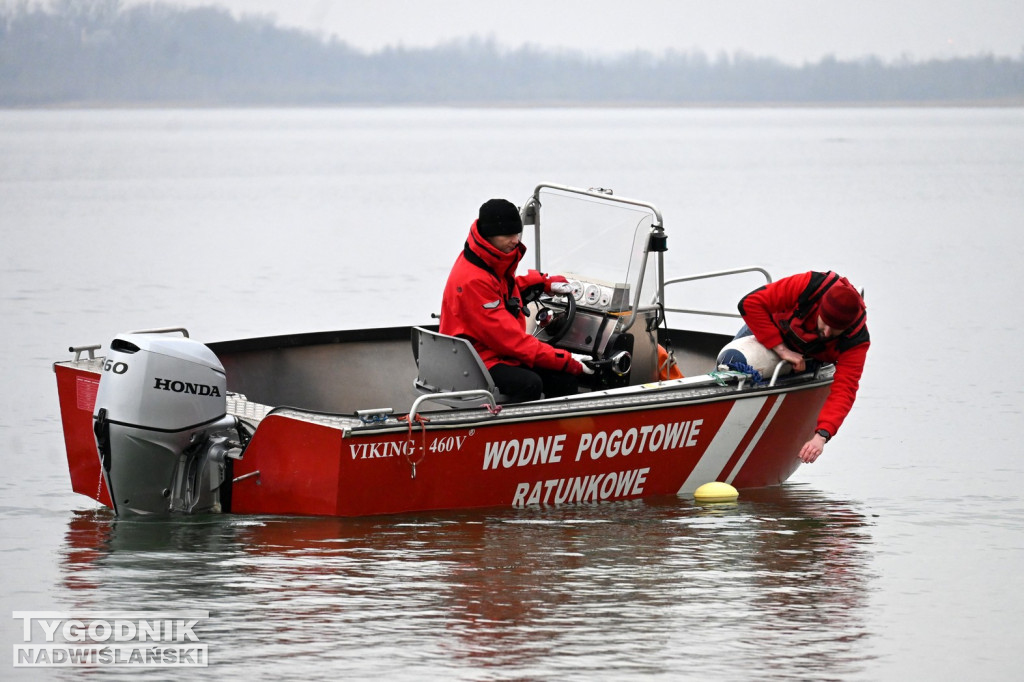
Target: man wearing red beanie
[483, 302]
[815, 315]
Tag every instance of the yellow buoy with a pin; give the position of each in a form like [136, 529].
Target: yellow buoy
[716, 491]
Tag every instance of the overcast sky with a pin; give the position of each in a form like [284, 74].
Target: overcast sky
[792, 30]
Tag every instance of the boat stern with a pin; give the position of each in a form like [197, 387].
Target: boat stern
[78, 382]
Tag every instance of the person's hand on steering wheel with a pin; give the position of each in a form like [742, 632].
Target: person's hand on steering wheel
[557, 285]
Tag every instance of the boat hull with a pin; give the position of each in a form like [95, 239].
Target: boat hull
[666, 438]
[293, 466]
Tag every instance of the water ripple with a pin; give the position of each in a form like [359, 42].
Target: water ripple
[644, 588]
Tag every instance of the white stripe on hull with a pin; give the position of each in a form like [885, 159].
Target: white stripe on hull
[736, 425]
[757, 436]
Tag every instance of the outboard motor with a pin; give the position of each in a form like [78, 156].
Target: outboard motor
[161, 424]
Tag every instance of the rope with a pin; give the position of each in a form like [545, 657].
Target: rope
[422, 421]
[740, 367]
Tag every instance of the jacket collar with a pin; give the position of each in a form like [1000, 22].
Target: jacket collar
[502, 264]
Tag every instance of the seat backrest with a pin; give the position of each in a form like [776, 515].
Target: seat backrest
[448, 363]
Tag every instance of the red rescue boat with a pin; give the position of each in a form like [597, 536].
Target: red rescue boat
[390, 420]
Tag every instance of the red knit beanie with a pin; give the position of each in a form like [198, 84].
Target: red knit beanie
[840, 306]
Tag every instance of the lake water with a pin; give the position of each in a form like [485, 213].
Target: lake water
[897, 555]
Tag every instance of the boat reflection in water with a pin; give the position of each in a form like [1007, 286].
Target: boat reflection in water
[775, 584]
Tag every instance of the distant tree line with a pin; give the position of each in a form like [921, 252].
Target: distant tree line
[96, 52]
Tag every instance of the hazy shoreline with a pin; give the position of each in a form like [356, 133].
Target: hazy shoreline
[163, 56]
[1013, 103]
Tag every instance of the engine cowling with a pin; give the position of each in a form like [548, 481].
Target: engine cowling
[161, 425]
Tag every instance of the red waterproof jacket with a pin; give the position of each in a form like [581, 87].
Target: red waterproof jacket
[480, 287]
[786, 311]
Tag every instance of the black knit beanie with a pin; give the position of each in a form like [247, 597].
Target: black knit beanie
[499, 217]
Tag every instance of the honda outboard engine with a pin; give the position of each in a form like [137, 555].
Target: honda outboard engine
[164, 438]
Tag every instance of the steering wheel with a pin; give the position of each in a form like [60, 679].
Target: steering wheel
[560, 323]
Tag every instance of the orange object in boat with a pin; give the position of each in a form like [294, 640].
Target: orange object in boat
[667, 367]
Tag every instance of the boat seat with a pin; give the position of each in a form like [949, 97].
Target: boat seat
[450, 363]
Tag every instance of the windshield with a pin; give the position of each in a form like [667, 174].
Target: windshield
[593, 237]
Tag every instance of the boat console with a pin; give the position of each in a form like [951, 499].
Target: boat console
[618, 242]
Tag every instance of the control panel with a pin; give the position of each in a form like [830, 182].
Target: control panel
[598, 295]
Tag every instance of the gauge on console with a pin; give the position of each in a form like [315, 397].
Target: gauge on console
[577, 289]
[591, 294]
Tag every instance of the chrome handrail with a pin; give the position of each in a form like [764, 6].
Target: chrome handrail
[78, 350]
[451, 395]
[162, 330]
[778, 370]
[598, 193]
[709, 275]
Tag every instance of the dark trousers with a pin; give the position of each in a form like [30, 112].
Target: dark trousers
[744, 331]
[521, 384]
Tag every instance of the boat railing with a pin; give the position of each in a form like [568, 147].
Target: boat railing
[454, 395]
[90, 349]
[163, 330]
[710, 275]
[778, 370]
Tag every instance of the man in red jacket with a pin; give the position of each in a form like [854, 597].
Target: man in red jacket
[815, 315]
[483, 301]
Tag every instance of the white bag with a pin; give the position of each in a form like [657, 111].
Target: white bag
[748, 351]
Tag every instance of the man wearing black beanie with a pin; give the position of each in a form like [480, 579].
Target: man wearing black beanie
[483, 302]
